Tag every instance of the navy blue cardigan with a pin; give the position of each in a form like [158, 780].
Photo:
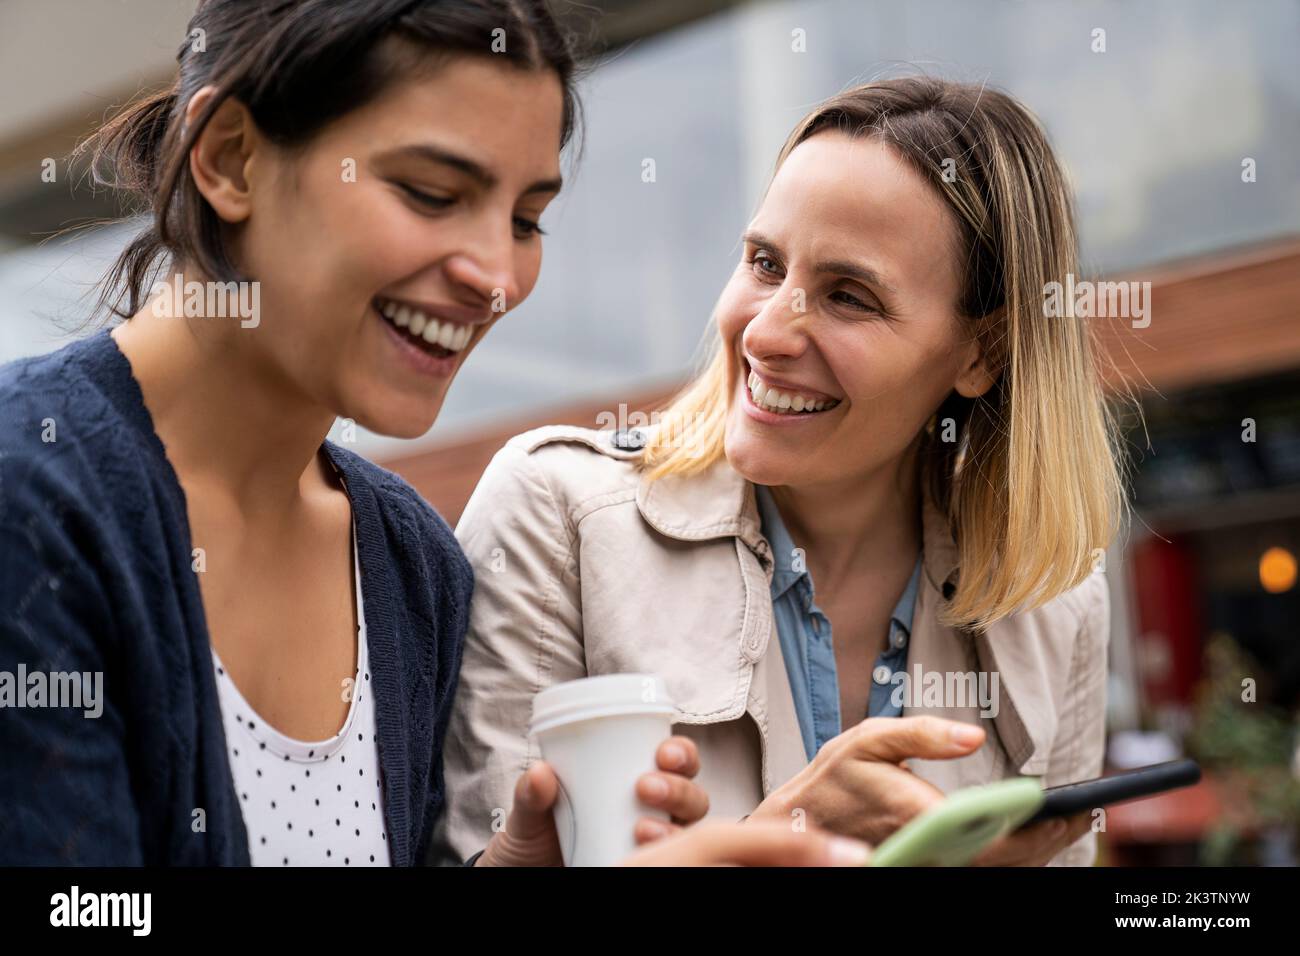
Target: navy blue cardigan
[95, 576]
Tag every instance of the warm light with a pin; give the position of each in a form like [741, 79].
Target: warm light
[1277, 570]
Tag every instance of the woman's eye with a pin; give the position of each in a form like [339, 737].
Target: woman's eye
[765, 265]
[852, 301]
[526, 228]
[426, 199]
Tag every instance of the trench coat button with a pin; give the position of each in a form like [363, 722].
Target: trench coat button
[631, 439]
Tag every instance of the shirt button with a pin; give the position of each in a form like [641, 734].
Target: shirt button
[900, 639]
[882, 674]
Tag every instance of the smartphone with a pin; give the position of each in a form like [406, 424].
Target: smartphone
[952, 832]
[1088, 794]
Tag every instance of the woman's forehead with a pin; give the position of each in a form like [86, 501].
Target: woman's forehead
[864, 199]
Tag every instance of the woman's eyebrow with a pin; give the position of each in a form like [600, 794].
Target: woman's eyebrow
[475, 170]
[853, 270]
[842, 267]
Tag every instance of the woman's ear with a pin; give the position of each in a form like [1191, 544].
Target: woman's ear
[975, 376]
[221, 158]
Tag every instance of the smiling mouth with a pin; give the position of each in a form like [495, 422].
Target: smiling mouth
[783, 402]
[438, 337]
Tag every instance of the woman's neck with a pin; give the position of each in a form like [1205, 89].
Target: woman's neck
[865, 523]
[229, 422]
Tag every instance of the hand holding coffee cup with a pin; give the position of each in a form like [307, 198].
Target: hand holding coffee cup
[600, 734]
[670, 797]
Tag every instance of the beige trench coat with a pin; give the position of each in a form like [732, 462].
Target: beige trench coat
[582, 567]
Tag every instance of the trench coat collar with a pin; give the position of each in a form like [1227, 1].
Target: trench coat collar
[715, 503]
[719, 502]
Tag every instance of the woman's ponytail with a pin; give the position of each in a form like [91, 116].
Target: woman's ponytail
[126, 155]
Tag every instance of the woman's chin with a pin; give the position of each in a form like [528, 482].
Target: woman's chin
[406, 431]
[747, 455]
[400, 419]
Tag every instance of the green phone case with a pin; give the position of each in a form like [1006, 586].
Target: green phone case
[954, 831]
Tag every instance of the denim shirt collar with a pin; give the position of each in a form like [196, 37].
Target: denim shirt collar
[784, 554]
[787, 572]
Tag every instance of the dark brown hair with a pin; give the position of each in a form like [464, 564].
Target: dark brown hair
[297, 65]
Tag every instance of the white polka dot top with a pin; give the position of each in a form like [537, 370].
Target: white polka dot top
[309, 803]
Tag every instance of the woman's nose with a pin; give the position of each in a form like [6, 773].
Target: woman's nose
[487, 270]
[779, 329]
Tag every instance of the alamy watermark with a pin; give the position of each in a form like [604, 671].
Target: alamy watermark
[1085, 299]
[79, 690]
[210, 300]
[941, 689]
[129, 910]
[676, 431]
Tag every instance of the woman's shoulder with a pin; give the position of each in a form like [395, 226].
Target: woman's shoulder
[1079, 612]
[561, 467]
[568, 462]
[66, 440]
[1088, 602]
[67, 386]
[84, 500]
[563, 448]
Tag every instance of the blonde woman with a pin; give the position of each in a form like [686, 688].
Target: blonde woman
[879, 505]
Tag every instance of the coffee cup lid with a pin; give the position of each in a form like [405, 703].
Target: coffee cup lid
[604, 696]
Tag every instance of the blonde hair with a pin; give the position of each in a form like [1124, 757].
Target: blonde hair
[1032, 487]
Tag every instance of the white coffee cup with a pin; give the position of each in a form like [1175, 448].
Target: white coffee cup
[600, 734]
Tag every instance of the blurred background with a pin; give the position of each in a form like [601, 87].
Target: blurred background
[1179, 124]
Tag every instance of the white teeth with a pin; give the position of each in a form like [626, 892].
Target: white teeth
[784, 403]
[448, 335]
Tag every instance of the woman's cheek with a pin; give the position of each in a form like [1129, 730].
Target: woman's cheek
[529, 269]
[735, 309]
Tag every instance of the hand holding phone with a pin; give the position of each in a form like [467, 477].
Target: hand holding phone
[951, 833]
[955, 831]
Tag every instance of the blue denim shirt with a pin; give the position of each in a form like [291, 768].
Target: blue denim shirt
[805, 634]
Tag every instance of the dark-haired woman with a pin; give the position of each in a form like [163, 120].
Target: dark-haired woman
[267, 628]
